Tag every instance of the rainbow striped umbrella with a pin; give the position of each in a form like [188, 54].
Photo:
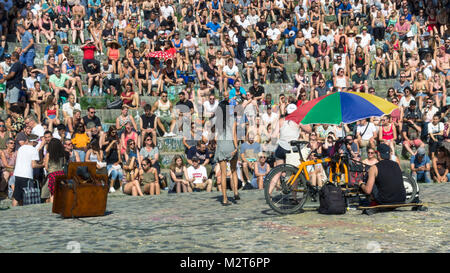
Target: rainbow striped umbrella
[341, 107]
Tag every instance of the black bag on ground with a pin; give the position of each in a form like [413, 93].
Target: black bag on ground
[331, 200]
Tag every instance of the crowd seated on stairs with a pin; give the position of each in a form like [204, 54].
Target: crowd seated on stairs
[265, 57]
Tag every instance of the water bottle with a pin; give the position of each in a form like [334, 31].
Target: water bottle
[2, 85]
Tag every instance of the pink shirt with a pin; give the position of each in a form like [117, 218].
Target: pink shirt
[402, 28]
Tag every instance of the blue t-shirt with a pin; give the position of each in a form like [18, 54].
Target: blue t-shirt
[47, 48]
[344, 7]
[213, 27]
[96, 3]
[417, 164]
[233, 92]
[26, 38]
[251, 151]
[288, 30]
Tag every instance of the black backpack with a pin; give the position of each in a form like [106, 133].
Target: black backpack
[331, 200]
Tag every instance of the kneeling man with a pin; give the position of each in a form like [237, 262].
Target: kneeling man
[385, 182]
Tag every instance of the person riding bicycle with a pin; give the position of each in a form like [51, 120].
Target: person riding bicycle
[385, 182]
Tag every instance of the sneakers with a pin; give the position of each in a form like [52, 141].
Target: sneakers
[170, 134]
[111, 190]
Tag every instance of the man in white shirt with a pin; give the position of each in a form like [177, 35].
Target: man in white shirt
[366, 38]
[198, 177]
[273, 33]
[36, 128]
[68, 107]
[230, 73]
[166, 10]
[327, 36]
[253, 18]
[190, 45]
[269, 117]
[409, 47]
[27, 159]
[365, 134]
[210, 107]
[243, 22]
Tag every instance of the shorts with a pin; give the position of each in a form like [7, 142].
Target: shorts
[280, 153]
[364, 143]
[62, 35]
[12, 95]
[446, 73]
[230, 81]
[19, 185]
[27, 58]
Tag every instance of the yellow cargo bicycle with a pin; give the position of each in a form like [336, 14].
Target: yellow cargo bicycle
[287, 187]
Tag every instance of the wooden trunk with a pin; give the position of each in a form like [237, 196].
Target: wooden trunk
[81, 199]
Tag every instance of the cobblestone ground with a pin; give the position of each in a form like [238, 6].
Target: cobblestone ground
[197, 222]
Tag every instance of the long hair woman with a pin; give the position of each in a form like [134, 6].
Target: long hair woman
[149, 178]
[54, 162]
[178, 173]
[111, 149]
[227, 146]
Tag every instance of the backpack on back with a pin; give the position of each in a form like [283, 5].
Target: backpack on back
[331, 200]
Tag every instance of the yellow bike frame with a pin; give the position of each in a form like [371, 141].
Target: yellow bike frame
[334, 172]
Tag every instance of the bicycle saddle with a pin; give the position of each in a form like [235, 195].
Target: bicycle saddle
[298, 143]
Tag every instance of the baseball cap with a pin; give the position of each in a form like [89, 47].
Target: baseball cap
[90, 125]
[421, 151]
[384, 150]
[7, 55]
[291, 108]
[61, 127]
[195, 159]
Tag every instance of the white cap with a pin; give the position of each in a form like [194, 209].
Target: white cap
[291, 108]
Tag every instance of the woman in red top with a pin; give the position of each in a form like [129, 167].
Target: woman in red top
[113, 54]
[387, 133]
[129, 97]
[88, 54]
[51, 110]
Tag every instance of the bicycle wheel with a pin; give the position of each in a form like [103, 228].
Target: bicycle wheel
[285, 199]
[411, 188]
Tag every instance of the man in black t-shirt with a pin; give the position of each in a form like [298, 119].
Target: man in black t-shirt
[257, 91]
[320, 90]
[91, 117]
[276, 64]
[148, 123]
[13, 81]
[94, 76]
[211, 73]
[261, 29]
[184, 102]
[359, 80]
[200, 151]
[385, 182]
[250, 66]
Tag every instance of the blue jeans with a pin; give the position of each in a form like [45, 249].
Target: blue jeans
[27, 58]
[422, 175]
[82, 154]
[114, 173]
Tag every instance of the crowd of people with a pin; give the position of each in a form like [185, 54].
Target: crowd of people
[212, 50]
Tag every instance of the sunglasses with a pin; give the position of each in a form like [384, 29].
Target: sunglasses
[144, 165]
[148, 139]
[371, 153]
